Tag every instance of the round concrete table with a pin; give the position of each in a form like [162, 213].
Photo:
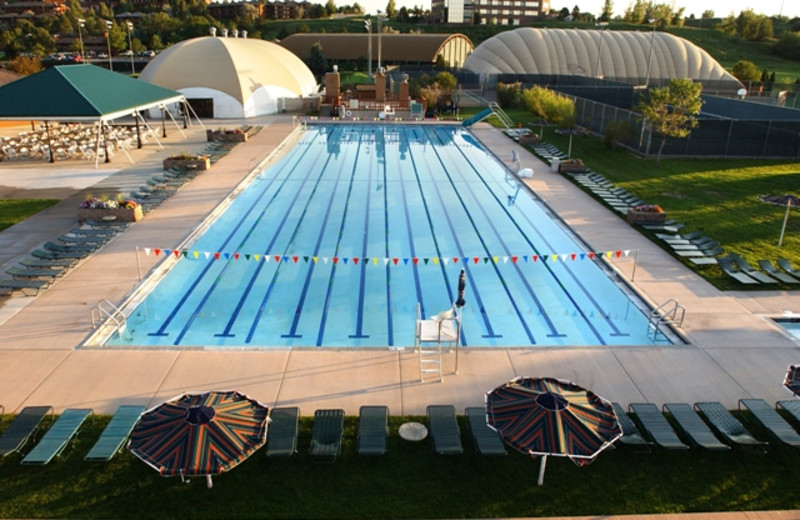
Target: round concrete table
[413, 431]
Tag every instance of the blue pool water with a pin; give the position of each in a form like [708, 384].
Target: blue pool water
[336, 243]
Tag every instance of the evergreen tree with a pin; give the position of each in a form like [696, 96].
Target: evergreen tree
[608, 11]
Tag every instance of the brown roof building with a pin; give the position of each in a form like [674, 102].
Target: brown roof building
[395, 49]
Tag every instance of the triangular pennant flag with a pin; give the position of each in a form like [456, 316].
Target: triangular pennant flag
[266, 258]
[286, 258]
[355, 260]
[235, 256]
[277, 258]
[627, 252]
[476, 260]
[618, 253]
[535, 257]
[564, 257]
[494, 259]
[315, 258]
[295, 259]
[335, 259]
[466, 260]
[609, 253]
[415, 260]
[435, 260]
[324, 259]
[375, 260]
[591, 255]
[485, 259]
[405, 261]
[207, 254]
[445, 260]
[257, 258]
[185, 253]
[505, 259]
[365, 260]
[196, 254]
[514, 259]
[227, 256]
[157, 251]
[582, 256]
[216, 256]
[425, 260]
[344, 259]
[572, 256]
[167, 252]
[394, 260]
[147, 251]
[305, 259]
[554, 257]
[455, 259]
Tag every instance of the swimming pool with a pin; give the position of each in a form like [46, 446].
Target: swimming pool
[335, 244]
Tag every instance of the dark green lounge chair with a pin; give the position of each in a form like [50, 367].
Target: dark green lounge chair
[57, 437]
[486, 440]
[772, 271]
[24, 426]
[631, 438]
[445, 433]
[771, 421]
[29, 287]
[373, 422]
[792, 406]
[115, 433]
[282, 432]
[326, 435]
[657, 426]
[693, 427]
[727, 425]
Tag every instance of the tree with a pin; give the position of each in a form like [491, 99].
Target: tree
[672, 110]
[330, 8]
[446, 81]
[316, 61]
[788, 46]
[636, 13]
[745, 70]
[391, 10]
[24, 65]
[608, 11]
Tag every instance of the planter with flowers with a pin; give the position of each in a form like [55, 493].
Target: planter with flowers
[104, 208]
[235, 135]
[571, 166]
[187, 161]
[646, 214]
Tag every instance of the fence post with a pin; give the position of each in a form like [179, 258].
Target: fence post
[766, 139]
[728, 141]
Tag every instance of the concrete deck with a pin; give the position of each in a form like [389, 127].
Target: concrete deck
[733, 352]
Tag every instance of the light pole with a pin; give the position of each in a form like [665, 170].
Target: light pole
[650, 56]
[379, 39]
[81, 21]
[108, 40]
[129, 25]
[602, 26]
[368, 25]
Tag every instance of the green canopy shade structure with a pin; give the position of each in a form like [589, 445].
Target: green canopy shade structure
[80, 93]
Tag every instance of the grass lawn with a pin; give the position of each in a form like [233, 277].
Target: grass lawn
[17, 210]
[718, 197]
[409, 482]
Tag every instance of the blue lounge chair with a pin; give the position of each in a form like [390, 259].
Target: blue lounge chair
[115, 433]
[24, 427]
[693, 427]
[373, 423]
[326, 435]
[57, 437]
[657, 426]
[771, 421]
[631, 438]
[792, 407]
[486, 440]
[445, 433]
[282, 432]
[727, 425]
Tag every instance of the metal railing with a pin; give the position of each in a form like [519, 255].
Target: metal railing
[105, 310]
[670, 312]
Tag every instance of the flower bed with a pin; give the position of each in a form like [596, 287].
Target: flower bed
[646, 214]
[119, 209]
[571, 166]
[187, 163]
[235, 136]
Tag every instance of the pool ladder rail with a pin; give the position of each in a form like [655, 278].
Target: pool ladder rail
[429, 335]
[670, 312]
[105, 311]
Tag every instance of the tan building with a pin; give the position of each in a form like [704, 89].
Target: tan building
[500, 12]
[395, 49]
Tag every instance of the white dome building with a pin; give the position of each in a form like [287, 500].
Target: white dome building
[231, 77]
[626, 56]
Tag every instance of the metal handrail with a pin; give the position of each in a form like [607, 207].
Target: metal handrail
[501, 115]
[97, 312]
[674, 314]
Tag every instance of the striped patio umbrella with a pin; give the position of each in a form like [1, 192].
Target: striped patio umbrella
[547, 416]
[792, 380]
[200, 434]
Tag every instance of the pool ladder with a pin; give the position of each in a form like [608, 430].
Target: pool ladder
[670, 312]
[105, 310]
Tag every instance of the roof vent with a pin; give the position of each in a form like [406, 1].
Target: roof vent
[235, 33]
[244, 33]
[224, 32]
[213, 32]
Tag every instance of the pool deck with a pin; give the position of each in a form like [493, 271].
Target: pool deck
[733, 352]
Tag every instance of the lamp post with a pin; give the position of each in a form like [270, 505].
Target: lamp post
[379, 39]
[109, 24]
[81, 23]
[368, 25]
[129, 25]
[650, 56]
[602, 26]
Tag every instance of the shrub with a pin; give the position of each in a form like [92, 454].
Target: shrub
[508, 94]
[617, 132]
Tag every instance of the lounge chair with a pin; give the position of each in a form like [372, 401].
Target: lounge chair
[631, 438]
[726, 264]
[788, 267]
[40, 263]
[671, 226]
[57, 437]
[29, 287]
[693, 426]
[28, 274]
[52, 255]
[445, 433]
[704, 260]
[657, 426]
[282, 432]
[751, 271]
[700, 253]
[728, 426]
[63, 248]
[326, 435]
[792, 407]
[486, 440]
[772, 271]
[88, 240]
[373, 423]
[115, 433]
[771, 421]
[674, 238]
[24, 426]
[698, 245]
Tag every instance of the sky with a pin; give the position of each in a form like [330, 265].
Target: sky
[721, 8]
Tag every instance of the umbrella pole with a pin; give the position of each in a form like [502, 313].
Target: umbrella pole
[542, 465]
[209, 482]
[785, 220]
